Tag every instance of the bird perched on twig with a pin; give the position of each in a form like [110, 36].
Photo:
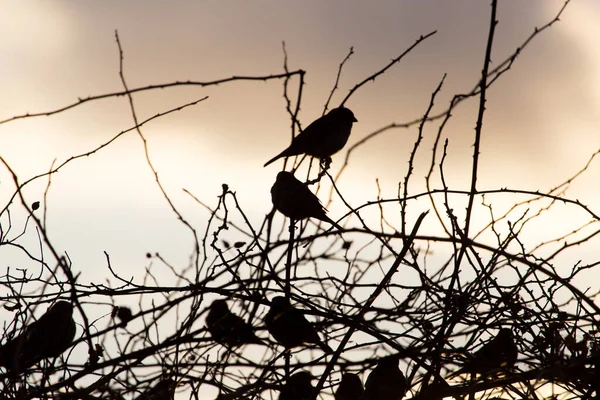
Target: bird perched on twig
[322, 138]
[294, 199]
[386, 381]
[298, 387]
[47, 337]
[500, 352]
[433, 391]
[290, 327]
[350, 388]
[227, 328]
[123, 314]
[163, 390]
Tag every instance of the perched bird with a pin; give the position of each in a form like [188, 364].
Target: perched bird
[163, 390]
[294, 199]
[434, 391]
[500, 352]
[350, 388]
[322, 138]
[47, 337]
[123, 314]
[289, 326]
[386, 381]
[227, 328]
[298, 387]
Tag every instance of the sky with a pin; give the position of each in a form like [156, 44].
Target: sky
[540, 128]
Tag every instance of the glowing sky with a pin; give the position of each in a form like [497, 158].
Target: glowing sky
[540, 128]
[541, 125]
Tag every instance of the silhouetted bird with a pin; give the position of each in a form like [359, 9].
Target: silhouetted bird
[298, 387]
[294, 199]
[500, 352]
[163, 390]
[386, 381]
[350, 388]
[290, 327]
[323, 138]
[227, 328]
[124, 315]
[47, 337]
[436, 390]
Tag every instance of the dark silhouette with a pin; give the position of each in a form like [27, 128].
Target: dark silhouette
[434, 391]
[323, 138]
[227, 328]
[500, 352]
[47, 337]
[123, 314]
[386, 381]
[298, 387]
[294, 199]
[289, 326]
[163, 390]
[350, 388]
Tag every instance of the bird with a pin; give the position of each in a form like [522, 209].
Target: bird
[298, 387]
[289, 327]
[386, 381]
[323, 137]
[350, 388]
[123, 314]
[227, 328]
[294, 199]
[163, 390]
[434, 390]
[500, 352]
[47, 337]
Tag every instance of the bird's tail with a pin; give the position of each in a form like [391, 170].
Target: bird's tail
[332, 222]
[277, 157]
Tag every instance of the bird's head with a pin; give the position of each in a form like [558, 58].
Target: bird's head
[285, 176]
[351, 381]
[389, 361]
[219, 306]
[62, 307]
[343, 113]
[279, 303]
[302, 378]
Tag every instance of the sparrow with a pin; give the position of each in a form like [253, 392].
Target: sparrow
[298, 387]
[123, 314]
[500, 352]
[386, 381]
[163, 390]
[436, 390]
[350, 388]
[294, 199]
[227, 328]
[322, 138]
[47, 337]
[289, 327]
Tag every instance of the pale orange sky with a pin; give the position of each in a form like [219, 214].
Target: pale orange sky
[540, 127]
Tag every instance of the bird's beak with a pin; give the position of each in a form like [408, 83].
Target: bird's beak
[354, 119]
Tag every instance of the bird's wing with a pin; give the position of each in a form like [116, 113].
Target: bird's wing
[314, 139]
[310, 201]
